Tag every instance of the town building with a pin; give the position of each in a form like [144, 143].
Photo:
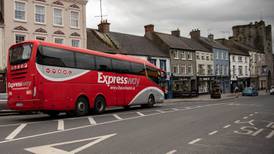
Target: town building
[56, 21]
[258, 36]
[220, 58]
[182, 60]
[239, 64]
[204, 66]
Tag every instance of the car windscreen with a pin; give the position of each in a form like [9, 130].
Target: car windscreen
[20, 54]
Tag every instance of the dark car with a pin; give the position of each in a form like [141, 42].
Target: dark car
[216, 92]
[250, 91]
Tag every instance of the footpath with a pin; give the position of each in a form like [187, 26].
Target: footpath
[201, 98]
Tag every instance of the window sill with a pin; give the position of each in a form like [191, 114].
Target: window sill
[22, 21]
[39, 23]
[60, 26]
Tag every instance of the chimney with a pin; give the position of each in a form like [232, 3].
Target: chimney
[176, 33]
[149, 28]
[211, 37]
[195, 34]
[103, 27]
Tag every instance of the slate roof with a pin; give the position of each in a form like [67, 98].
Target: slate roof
[113, 42]
[246, 47]
[194, 44]
[212, 44]
[173, 41]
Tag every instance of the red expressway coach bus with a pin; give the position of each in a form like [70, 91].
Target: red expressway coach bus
[55, 78]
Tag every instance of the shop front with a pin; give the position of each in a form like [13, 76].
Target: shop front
[2, 82]
[184, 87]
[205, 84]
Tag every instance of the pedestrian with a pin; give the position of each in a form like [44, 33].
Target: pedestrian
[236, 91]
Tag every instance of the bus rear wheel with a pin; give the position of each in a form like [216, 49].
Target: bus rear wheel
[150, 102]
[99, 105]
[81, 107]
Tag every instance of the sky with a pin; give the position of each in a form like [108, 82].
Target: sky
[210, 16]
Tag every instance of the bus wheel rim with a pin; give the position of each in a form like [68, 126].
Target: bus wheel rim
[81, 106]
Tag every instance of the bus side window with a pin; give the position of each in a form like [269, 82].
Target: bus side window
[120, 66]
[85, 61]
[153, 74]
[103, 64]
[137, 69]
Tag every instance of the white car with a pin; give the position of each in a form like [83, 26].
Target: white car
[272, 90]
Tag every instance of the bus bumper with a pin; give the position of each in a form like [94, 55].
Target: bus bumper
[25, 105]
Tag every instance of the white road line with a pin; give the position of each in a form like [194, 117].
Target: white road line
[270, 124]
[226, 126]
[13, 134]
[255, 112]
[257, 132]
[171, 152]
[117, 117]
[214, 132]
[175, 109]
[195, 141]
[251, 115]
[92, 121]
[160, 111]
[245, 117]
[270, 135]
[61, 126]
[140, 114]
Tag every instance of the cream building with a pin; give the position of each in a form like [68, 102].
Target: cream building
[59, 21]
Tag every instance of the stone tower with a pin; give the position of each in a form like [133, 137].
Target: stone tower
[258, 36]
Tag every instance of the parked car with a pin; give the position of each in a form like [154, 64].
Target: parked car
[216, 91]
[250, 91]
[272, 90]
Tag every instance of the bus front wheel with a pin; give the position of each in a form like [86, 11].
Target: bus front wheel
[150, 102]
[99, 105]
[82, 107]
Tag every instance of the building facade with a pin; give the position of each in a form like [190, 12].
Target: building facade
[182, 60]
[56, 21]
[258, 36]
[220, 59]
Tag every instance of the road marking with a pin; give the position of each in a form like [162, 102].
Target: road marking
[13, 134]
[226, 126]
[245, 118]
[270, 135]
[140, 114]
[257, 132]
[52, 147]
[171, 152]
[195, 141]
[117, 117]
[160, 111]
[214, 132]
[255, 112]
[251, 115]
[174, 109]
[92, 121]
[87, 126]
[270, 124]
[61, 126]
[244, 122]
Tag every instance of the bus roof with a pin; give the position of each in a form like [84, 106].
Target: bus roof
[93, 52]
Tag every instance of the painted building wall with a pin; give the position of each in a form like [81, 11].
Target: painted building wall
[205, 59]
[236, 63]
[2, 55]
[31, 28]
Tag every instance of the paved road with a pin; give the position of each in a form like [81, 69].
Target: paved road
[244, 125]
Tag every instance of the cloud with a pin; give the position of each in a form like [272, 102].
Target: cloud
[210, 16]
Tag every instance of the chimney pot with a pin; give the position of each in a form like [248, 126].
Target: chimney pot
[104, 27]
[211, 37]
[176, 33]
[149, 28]
[195, 34]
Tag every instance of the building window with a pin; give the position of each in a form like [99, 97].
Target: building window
[163, 64]
[233, 58]
[221, 69]
[176, 69]
[240, 59]
[20, 10]
[245, 59]
[246, 70]
[189, 69]
[201, 70]
[216, 55]
[74, 19]
[183, 69]
[207, 57]
[183, 54]
[75, 43]
[59, 40]
[203, 57]
[233, 70]
[57, 17]
[189, 56]
[240, 70]
[176, 55]
[217, 70]
[209, 70]
[40, 38]
[39, 14]
[20, 38]
[197, 56]
[152, 61]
